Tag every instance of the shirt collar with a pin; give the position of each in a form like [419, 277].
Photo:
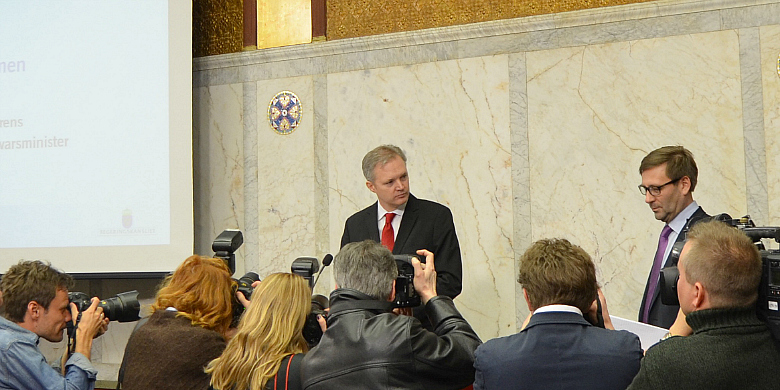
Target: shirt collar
[558, 308]
[678, 223]
[381, 211]
[15, 328]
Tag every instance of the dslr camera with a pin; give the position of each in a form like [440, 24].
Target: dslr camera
[307, 267]
[124, 307]
[405, 294]
[225, 246]
[768, 289]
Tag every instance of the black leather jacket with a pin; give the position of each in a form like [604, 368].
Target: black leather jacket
[367, 347]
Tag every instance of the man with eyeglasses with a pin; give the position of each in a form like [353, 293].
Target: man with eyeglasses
[668, 179]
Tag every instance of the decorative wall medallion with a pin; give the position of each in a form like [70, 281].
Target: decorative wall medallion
[284, 112]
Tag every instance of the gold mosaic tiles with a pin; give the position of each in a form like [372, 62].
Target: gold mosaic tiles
[218, 24]
[355, 18]
[217, 27]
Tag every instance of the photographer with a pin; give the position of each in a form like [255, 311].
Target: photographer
[192, 314]
[730, 348]
[368, 347]
[559, 348]
[35, 300]
[268, 347]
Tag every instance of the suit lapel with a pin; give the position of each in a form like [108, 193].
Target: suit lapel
[370, 223]
[697, 216]
[407, 223]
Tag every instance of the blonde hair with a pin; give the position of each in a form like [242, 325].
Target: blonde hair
[380, 156]
[269, 330]
[726, 262]
[202, 291]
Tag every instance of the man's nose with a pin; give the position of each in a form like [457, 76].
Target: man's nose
[649, 198]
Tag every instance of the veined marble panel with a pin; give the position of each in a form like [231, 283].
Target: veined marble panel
[285, 167]
[595, 111]
[770, 50]
[219, 165]
[452, 119]
[753, 125]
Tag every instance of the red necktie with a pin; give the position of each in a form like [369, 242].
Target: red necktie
[388, 241]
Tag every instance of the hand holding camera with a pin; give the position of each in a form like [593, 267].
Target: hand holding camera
[90, 323]
[598, 314]
[424, 276]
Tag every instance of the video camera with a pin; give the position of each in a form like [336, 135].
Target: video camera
[124, 307]
[768, 290]
[405, 294]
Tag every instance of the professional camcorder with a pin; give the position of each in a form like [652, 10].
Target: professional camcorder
[405, 294]
[124, 307]
[769, 288]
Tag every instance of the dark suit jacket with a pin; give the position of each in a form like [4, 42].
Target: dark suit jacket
[558, 350]
[425, 225]
[660, 314]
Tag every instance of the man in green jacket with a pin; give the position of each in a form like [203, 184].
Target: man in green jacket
[728, 346]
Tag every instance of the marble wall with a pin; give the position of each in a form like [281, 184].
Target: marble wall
[451, 117]
[769, 37]
[595, 111]
[526, 128]
[218, 143]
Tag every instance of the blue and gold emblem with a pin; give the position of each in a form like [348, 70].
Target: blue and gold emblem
[284, 112]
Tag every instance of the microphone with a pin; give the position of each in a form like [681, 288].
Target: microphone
[325, 262]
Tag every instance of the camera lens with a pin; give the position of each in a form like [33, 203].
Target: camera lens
[124, 307]
[245, 284]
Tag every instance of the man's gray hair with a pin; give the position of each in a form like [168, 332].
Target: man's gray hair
[380, 156]
[367, 267]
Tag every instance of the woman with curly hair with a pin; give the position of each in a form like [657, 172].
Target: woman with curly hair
[268, 340]
[191, 316]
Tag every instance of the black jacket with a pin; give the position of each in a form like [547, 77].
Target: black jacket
[367, 347]
[425, 225]
[660, 314]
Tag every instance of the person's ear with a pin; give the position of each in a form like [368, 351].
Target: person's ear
[371, 186]
[685, 185]
[34, 309]
[527, 300]
[699, 295]
[392, 293]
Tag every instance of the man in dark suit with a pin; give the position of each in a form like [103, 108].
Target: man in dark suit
[669, 177]
[559, 348]
[403, 223]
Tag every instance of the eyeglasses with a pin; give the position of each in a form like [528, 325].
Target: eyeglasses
[656, 190]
